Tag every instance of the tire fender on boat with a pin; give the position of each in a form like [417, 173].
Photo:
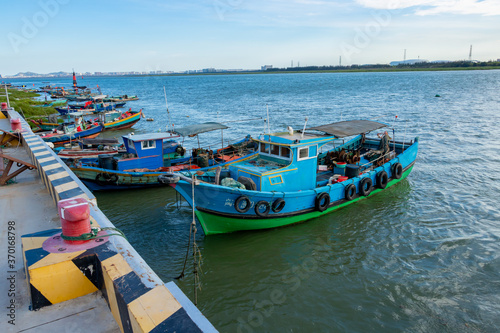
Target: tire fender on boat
[322, 201]
[397, 171]
[365, 186]
[100, 179]
[168, 179]
[113, 178]
[278, 205]
[382, 179]
[350, 192]
[238, 201]
[262, 203]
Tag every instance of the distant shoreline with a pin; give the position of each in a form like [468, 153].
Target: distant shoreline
[289, 71]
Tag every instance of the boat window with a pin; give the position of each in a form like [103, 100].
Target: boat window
[264, 147]
[285, 152]
[148, 144]
[275, 150]
[303, 153]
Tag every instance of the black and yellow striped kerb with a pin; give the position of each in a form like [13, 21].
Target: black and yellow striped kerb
[61, 183]
[58, 277]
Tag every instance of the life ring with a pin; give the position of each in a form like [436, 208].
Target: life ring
[365, 186]
[397, 171]
[350, 192]
[382, 179]
[278, 205]
[262, 203]
[239, 200]
[322, 201]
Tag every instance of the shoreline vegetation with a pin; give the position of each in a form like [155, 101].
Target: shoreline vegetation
[23, 102]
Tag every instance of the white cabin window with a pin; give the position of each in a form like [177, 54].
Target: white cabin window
[303, 153]
[148, 144]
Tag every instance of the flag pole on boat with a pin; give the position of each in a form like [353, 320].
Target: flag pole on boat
[168, 112]
[305, 124]
[268, 125]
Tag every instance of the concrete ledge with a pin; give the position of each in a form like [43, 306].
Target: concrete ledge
[138, 299]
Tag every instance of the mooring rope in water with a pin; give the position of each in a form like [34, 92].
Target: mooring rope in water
[196, 250]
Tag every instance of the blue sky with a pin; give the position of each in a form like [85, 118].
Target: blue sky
[131, 35]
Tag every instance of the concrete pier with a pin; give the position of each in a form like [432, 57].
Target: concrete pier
[107, 289]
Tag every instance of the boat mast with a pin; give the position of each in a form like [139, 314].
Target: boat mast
[168, 112]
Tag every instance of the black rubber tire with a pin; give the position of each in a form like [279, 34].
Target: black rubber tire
[365, 186]
[266, 211]
[113, 178]
[278, 205]
[350, 192]
[397, 171]
[238, 201]
[322, 201]
[168, 179]
[100, 179]
[382, 179]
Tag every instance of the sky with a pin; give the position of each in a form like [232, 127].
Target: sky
[149, 35]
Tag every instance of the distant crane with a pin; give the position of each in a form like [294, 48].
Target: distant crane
[470, 53]
[340, 61]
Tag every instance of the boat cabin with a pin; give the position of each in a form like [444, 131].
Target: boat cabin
[286, 162]
[290, 161]
[145, 151]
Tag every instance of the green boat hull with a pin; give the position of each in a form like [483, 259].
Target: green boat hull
[219, 224]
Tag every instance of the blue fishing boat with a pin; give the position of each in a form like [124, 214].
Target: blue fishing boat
[296, 177]
[68, 132]
[147, 156]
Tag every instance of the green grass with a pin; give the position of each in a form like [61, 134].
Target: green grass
[22, 102]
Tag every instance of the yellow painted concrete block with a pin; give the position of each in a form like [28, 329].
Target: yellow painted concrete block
[61, 282]
[116, 266]
[152, 308]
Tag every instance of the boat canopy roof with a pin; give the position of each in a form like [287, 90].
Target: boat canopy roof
[196, 129]
[148, 136]
[346, 128]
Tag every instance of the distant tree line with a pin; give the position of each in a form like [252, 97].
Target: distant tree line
[419, 65]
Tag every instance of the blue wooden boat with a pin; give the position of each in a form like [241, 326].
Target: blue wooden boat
[68, 132]
[148, 156]
[291, 180]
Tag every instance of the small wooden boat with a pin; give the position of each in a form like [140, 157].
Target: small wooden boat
[123, 98]
[290, 180]
[68, 132]
[115, 120]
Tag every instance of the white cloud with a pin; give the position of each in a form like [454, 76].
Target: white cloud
[432, 7]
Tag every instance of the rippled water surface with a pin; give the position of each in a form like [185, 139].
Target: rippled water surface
[422, 256]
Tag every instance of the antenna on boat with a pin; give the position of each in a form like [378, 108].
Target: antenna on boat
[268, 125]
[168, 112]
[305, 124]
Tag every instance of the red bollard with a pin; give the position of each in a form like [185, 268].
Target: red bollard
[15, 124]
[4, 106]
[75, 218]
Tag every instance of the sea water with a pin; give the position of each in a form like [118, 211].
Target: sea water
[422, 256]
